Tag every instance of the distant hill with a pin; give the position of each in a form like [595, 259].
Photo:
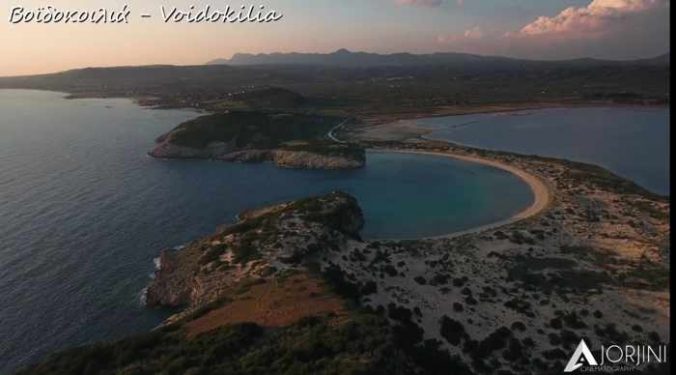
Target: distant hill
[345, 58]
[664, 59]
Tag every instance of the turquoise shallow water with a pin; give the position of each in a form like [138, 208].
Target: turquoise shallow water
[83, 211]
[633, 142]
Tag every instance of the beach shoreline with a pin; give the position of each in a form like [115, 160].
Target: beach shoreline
[543, 194]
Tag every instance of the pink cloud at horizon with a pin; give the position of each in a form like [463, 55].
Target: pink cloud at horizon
[574, 29]
[595, 17]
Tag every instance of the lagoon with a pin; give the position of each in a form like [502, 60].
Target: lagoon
[632, 142]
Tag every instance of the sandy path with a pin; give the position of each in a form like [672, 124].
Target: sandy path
[542, 192]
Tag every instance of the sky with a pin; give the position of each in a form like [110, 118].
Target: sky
[537, 29]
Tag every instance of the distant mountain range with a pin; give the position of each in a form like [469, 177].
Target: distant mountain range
[345, 58]
[367, 83]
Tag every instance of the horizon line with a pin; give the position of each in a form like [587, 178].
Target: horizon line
[207, 63]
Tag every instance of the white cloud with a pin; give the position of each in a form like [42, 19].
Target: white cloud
[603, 28]
[597, 17]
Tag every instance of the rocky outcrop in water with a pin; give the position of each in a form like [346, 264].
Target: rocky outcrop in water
[343, 159]
[288, 140]
[332, 157]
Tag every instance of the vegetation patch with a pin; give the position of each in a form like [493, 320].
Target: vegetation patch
[272, 303]
[311, 346]
[249, 130]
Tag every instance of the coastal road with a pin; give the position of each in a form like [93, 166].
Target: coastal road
[331, 133]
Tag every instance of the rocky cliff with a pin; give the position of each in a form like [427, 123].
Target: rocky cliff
[263, 243]
[335, 156]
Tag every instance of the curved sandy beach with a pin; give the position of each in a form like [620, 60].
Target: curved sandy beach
[541, 191]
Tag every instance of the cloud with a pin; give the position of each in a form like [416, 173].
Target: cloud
[472, 34]
[603, 28]
[600, 16]
[424, 3]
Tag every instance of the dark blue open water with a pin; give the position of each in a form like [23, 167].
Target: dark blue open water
[83, 211]
[631, 141]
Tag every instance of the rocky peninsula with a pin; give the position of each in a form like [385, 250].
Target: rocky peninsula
[288, 140]
[263, 243]
[296, 281]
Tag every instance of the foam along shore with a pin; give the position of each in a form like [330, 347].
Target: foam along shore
[542, 192]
